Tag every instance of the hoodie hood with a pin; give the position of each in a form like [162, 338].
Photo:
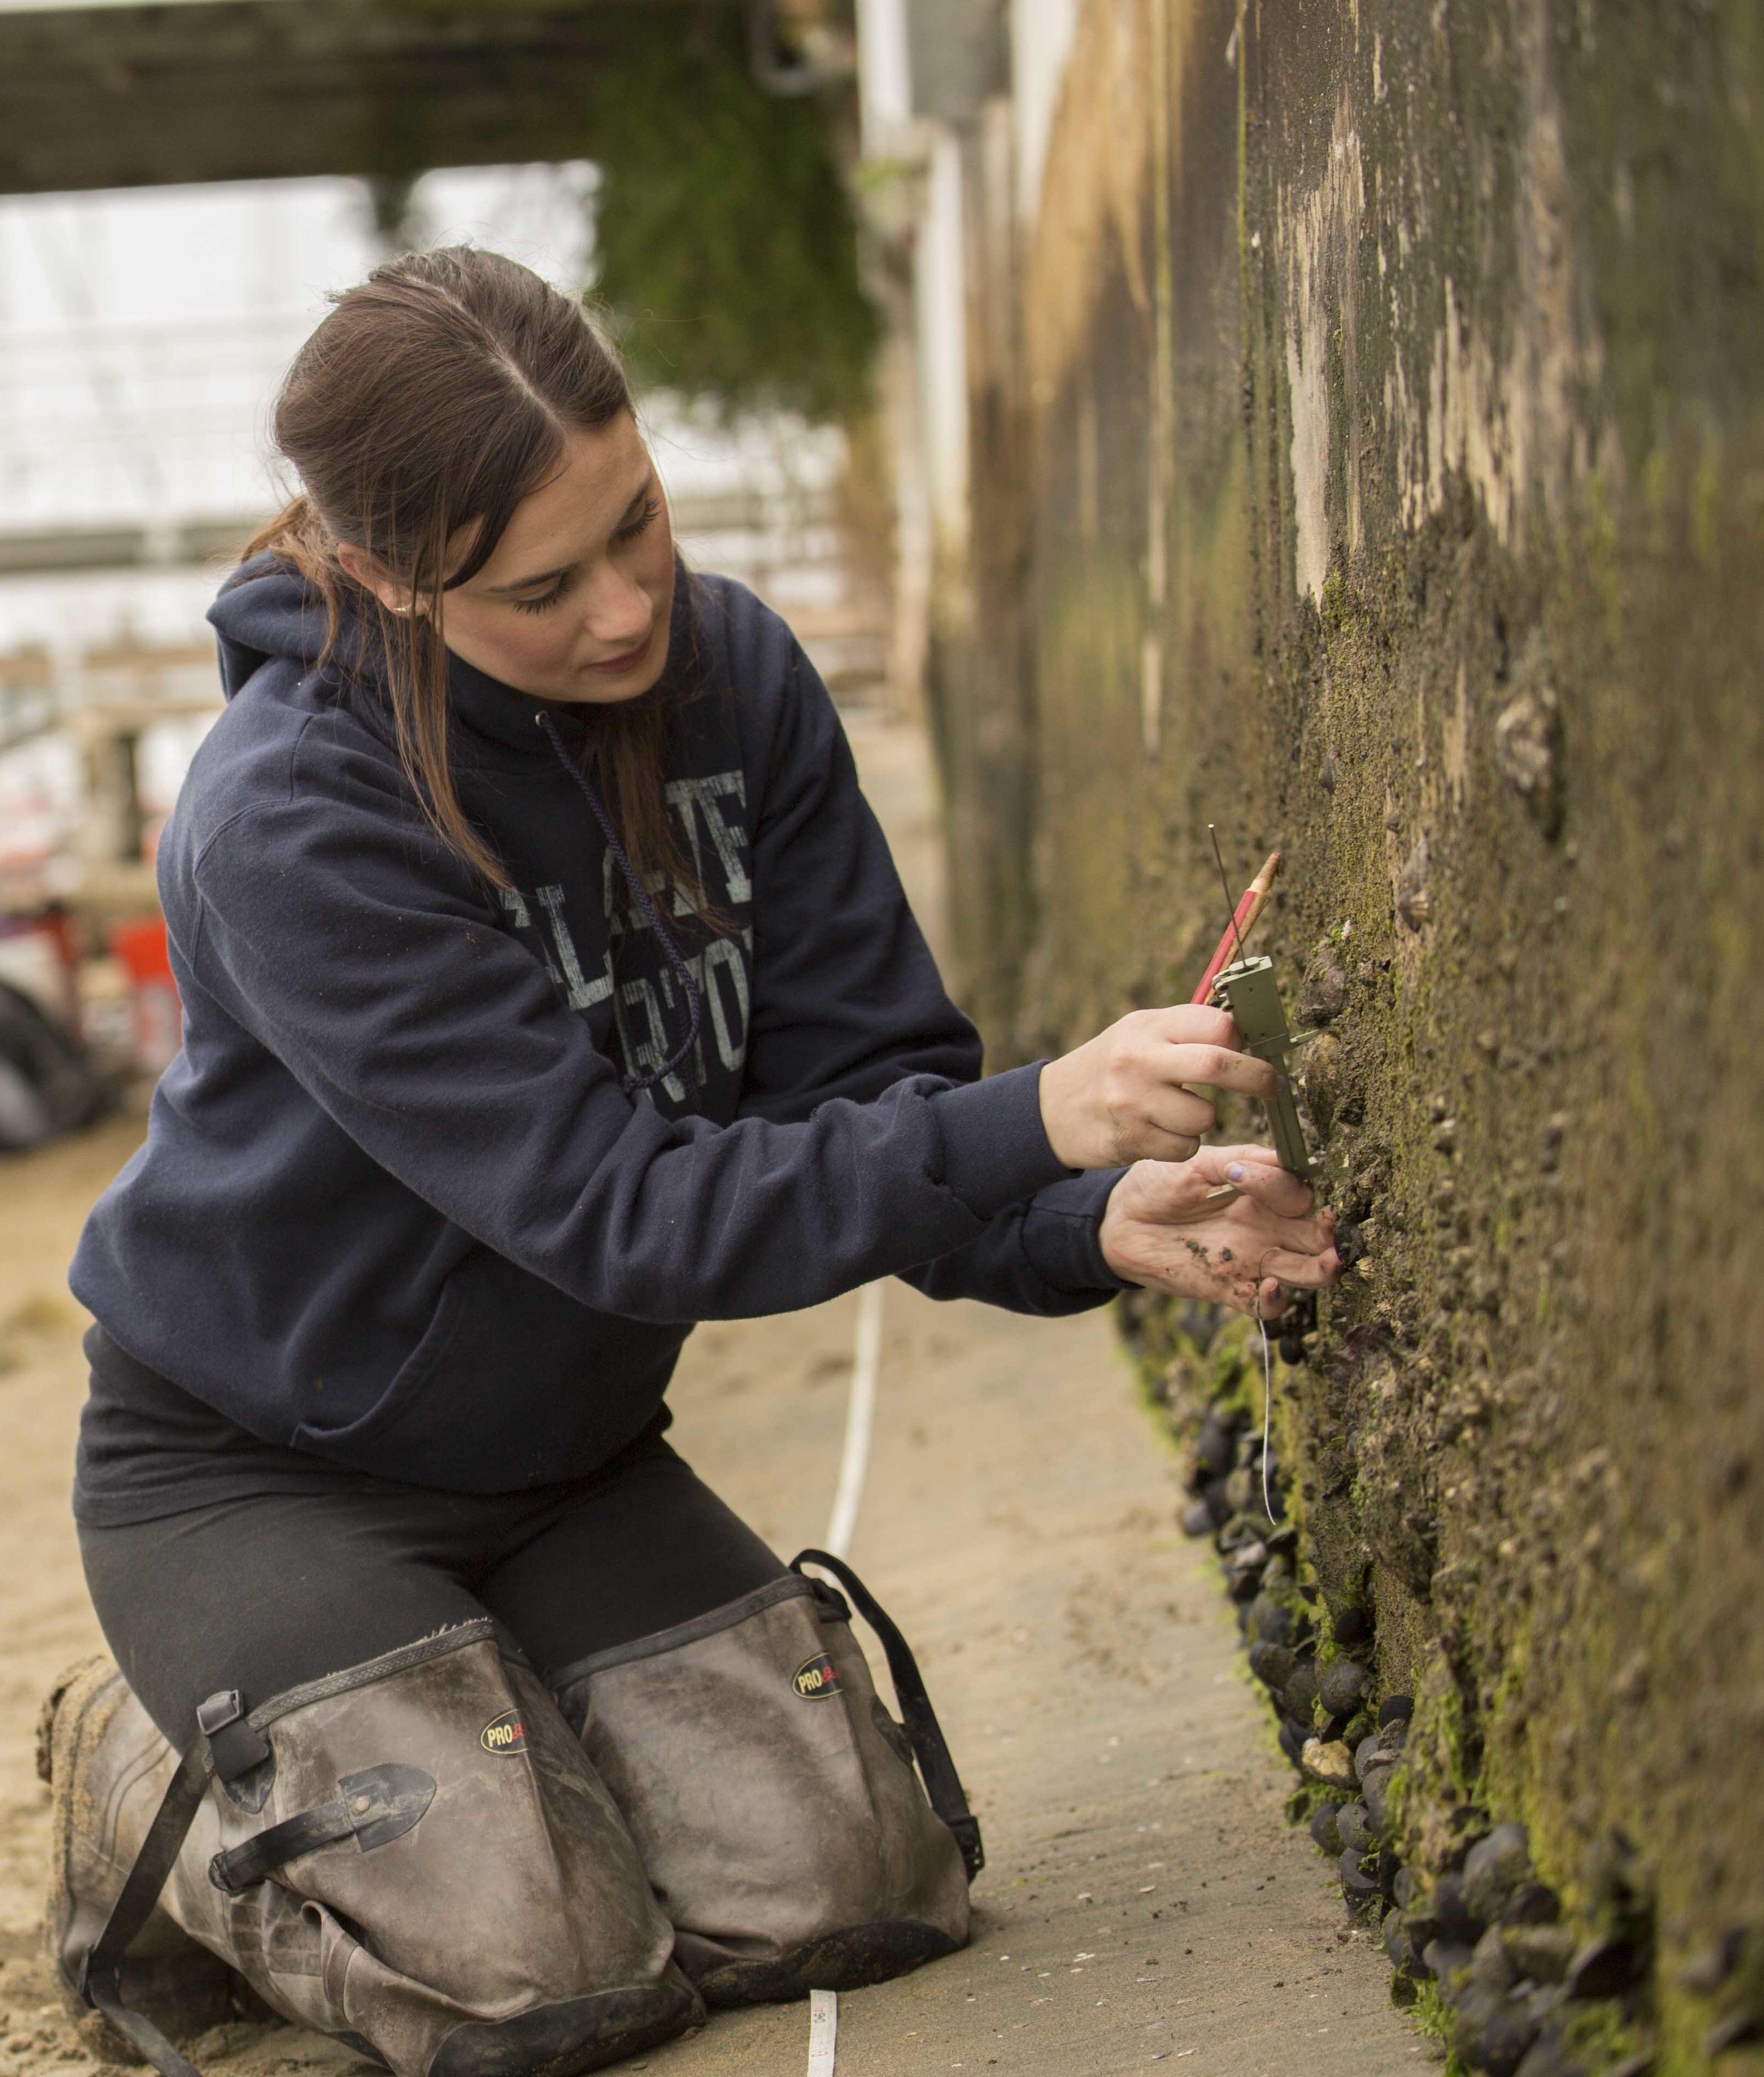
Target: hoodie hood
[265, 609]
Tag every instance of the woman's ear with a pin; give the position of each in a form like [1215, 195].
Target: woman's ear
[393, 596]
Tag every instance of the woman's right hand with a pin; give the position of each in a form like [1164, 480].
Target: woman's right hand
[1124, 1095]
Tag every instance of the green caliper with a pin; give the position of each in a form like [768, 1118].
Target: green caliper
[1247, 989]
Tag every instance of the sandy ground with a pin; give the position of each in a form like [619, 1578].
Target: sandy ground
[1144, 1902]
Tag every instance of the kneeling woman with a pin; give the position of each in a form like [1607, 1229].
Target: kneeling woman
[547, 987]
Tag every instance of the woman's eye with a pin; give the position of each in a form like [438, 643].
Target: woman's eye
[545, 600]
[565, 584]
[644, 520]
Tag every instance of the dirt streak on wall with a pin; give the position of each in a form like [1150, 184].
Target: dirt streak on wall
[1380, 471]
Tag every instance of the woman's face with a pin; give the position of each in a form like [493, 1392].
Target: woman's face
[574, 604]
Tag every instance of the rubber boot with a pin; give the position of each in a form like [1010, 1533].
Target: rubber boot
[411, 1856]
[773, 1798]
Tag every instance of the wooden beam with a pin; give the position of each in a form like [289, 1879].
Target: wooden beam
[251, 90]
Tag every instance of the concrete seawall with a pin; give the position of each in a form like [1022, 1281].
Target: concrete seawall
[1368, 460]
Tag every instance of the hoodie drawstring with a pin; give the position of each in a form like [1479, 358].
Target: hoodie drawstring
[630, 1083]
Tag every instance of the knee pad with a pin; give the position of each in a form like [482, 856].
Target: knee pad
[414, 1856]
[773, 1798]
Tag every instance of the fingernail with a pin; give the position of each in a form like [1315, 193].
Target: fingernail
[1234, 1173]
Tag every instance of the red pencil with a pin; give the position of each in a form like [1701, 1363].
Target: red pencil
[1241, 924]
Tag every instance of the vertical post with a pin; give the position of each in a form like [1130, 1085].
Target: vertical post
[941, 293]
[885, 76]
[111, 832]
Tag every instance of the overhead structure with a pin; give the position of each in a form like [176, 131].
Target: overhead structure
[108, 97]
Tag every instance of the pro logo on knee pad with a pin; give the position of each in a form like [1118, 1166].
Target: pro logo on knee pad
[816, 1677]
[504, 1733]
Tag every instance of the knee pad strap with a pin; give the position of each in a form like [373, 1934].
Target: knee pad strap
[931, 1748]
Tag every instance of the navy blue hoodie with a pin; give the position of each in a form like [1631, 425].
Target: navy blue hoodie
[397, 1206]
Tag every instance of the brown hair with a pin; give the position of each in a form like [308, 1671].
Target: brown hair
[433, 399]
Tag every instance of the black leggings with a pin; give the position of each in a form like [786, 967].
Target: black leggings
[264, 1594]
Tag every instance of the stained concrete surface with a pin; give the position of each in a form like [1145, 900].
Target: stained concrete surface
[1145, 1902]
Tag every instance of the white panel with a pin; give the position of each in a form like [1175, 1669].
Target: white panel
[1043, 32]
[940, 288]
[885, 76]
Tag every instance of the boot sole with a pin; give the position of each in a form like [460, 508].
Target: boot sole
[571, 2036]
[844, 1961]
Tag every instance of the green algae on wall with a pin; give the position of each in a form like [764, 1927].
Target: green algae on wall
[1414, 525]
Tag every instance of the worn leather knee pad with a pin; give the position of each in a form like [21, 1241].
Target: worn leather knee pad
[773, 1798]
[412, 1855]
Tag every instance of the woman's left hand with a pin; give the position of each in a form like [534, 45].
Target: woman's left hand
[1159, 1231]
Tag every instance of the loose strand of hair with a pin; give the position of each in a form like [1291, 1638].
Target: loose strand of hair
[417, 693]
[416, 674]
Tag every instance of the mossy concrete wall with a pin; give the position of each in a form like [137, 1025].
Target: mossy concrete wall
[1377, 463]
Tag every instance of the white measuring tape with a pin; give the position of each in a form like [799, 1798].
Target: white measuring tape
[860, 1417]
[823, 2032]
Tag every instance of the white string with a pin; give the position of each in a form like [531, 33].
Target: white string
[859, 1418]
[1267, 1388]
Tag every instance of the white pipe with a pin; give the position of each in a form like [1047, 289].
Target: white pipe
[940, 282]
[884, 76]
[1042, 34]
